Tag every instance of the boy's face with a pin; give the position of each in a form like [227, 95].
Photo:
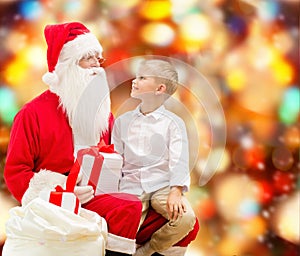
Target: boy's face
[144, 85]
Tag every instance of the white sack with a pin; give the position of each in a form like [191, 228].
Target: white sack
[42, 228]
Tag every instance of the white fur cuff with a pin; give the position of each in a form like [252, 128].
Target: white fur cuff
[120, 244]
[174, 251]
[44, 179]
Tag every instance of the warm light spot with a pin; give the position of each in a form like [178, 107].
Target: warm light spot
[156, 9]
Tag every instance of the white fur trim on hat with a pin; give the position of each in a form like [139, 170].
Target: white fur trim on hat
[73, 50]
[50, 78]
[80, 46]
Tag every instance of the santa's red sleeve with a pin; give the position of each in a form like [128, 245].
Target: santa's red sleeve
[106, 136]
[21, 153]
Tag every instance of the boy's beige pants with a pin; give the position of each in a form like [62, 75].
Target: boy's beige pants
[173, 231]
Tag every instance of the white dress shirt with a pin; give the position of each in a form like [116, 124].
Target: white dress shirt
[155, 150]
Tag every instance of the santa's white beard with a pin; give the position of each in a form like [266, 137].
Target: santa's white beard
[73, 82]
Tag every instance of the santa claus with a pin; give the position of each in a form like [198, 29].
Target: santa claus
[47, 129]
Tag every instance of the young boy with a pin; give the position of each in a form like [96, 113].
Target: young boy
[154, 144]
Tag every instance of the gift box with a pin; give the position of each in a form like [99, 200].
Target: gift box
[101, 168]
[66, 200]
[65, 197]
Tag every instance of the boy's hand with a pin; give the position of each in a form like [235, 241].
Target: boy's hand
[175, 206]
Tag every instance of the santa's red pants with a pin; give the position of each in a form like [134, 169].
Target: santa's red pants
[122, 213]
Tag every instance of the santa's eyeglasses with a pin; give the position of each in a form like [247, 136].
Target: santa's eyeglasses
[92, 59]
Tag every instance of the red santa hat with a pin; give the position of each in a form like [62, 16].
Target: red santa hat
[67, 41]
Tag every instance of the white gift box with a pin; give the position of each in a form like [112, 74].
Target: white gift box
[65, 200]
[107, 176]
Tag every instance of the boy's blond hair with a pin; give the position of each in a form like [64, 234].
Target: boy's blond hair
[163, 71]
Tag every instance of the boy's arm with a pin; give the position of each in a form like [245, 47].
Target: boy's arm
[179, 156]
[179, 169]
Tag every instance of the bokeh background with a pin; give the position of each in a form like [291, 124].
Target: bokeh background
[248, 52]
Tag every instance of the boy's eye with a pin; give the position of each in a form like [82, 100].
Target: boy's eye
[141, 78]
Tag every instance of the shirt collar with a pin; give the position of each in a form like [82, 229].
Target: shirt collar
[157, 113]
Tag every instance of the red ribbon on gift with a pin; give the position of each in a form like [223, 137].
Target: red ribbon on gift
[98, 160]
[97, 165]
[103, 147]
[56, 196]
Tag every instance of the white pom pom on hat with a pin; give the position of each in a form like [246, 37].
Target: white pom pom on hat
[65, 41]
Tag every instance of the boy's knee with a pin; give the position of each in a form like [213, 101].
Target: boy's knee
[187, 221]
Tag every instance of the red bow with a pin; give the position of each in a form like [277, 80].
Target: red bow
[103, 147]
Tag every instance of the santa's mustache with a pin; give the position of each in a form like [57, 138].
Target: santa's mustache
[75, 80]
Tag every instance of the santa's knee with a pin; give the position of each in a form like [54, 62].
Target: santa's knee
[132, 207]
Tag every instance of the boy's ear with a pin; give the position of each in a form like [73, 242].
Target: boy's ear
[162, 88]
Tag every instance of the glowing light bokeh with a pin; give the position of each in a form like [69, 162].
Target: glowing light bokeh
[230, 193]
[255, 227]
[290, 107]
[31, 9]
[16, 72]
[282, 158]
[268, 10]
[282, 71]
[151, 34]
[291, 137]
[34, 56]
[236, 79]
[265, 191]
[286, 221]
[8, 105]
[15, 41]
[155, 9]
[195, 31]
[283, 182]
[248, 209]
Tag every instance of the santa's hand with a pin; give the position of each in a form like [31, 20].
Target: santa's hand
[84, 193]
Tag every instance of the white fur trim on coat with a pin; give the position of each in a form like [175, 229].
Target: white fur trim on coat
[174, 251]
[120, 244]
[44, 179]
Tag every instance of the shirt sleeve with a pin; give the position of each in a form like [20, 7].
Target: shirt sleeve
[22, 149]
[179, 155]
[116, 137]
